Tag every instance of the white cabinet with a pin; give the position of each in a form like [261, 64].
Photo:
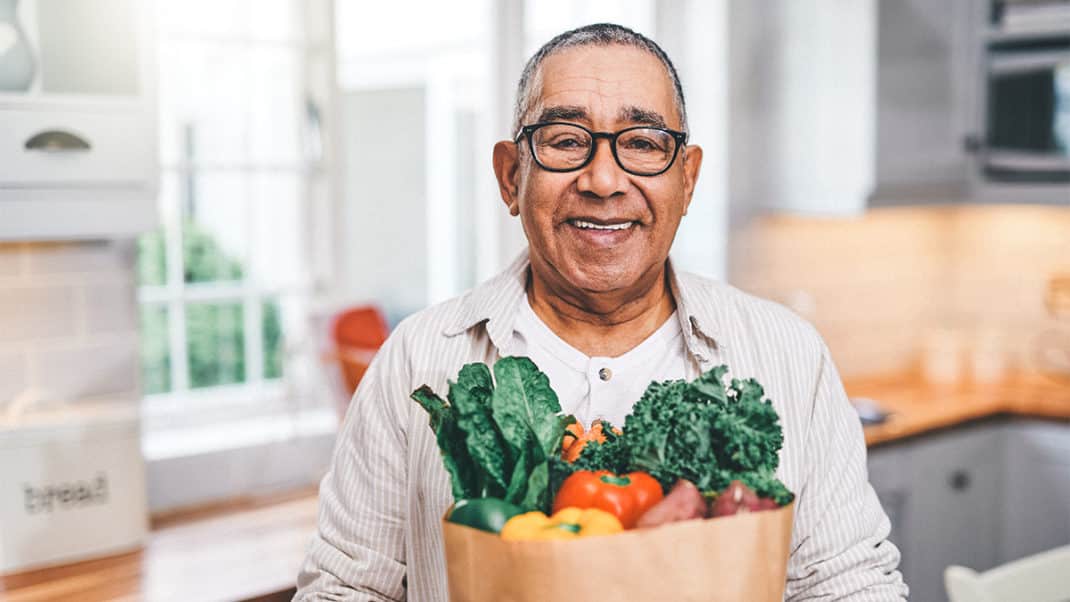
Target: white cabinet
[976, 496]
[956, 486]
[928, 87]
[1036, 504]
[802, 105]
[840, 106]
[78, 154]
[941, 493]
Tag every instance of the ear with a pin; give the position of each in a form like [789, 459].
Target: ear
[506, 169]
[692, 163]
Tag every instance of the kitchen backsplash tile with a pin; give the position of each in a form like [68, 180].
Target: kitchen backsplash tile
[11, 260]
[875, 285]
[29, 313]
[101, 368]
[68, 319]
[12, 374]
[82, 259]
[110, 306]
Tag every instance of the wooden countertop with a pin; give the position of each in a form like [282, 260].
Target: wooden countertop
[918, 407]
[249, 550]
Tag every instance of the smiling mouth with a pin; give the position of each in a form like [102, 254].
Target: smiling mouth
[610, 227]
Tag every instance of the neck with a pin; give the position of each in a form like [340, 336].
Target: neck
[602, 324]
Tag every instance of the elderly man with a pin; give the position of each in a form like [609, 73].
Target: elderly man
[600, 174]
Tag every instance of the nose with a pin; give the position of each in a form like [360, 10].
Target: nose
[602, 177]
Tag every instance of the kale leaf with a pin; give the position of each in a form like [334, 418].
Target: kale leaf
[704, 431]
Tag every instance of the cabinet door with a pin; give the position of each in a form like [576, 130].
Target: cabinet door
[1037, 491]
[78, 151]
[889, 475]
[955, 483]
[926, 85]
[74, 149]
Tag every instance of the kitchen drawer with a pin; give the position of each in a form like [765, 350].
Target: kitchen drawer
[120, 154]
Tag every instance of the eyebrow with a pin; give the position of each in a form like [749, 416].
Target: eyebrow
[563, 113]
[634, 114]
[630, 114]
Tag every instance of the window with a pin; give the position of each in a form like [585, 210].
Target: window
[225, 283]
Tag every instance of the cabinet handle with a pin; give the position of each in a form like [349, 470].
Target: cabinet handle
[960, 480]
[57, 141]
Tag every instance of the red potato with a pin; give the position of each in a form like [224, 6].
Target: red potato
[767, 503]
[684, 502]
[737, 498]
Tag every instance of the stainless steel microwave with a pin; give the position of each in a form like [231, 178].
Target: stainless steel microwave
[1027, 109]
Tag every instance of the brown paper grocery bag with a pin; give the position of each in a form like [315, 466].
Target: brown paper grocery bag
[741, 558]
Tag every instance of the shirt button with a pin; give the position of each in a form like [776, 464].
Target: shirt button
[605, 374]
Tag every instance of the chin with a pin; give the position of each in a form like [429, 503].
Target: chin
[602, 278]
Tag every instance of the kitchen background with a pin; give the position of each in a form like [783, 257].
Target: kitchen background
[195, 196]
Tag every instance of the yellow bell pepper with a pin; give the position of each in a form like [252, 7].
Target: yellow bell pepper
[567, 523]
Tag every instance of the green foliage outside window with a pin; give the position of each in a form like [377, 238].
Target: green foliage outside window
[215, 332]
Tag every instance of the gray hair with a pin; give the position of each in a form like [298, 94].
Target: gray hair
[598, 34]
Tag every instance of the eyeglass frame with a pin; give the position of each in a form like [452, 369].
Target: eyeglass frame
[679, 138]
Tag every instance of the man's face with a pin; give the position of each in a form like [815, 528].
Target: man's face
[605, 89]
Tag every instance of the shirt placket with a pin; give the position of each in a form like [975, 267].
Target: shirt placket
[600, 382]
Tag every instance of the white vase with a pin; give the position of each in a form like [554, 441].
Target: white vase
[16, 59]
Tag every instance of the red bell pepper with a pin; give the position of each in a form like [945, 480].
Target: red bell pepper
[626, 496]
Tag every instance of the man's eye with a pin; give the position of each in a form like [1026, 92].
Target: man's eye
[567, 143]
[643, 144]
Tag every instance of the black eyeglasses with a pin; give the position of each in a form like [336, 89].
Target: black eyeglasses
[641, 150]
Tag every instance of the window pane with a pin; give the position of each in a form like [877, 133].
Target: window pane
[214, 240]
[371, 28]
[275, 116]
[215, 341]
[152, 259]
[203, 102]
[274, 354]
[155, 351]
[278, 258]
[276, 20]
[214, 18]
[152, 246]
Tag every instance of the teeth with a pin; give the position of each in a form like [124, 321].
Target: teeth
[591, 226]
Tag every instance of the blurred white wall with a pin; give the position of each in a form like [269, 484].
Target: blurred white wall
[384, 245]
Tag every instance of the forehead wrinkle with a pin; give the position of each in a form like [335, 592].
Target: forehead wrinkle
[628, 114]
[608, 87]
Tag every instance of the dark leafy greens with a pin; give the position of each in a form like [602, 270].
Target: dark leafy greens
[702, 431]
[501, 436]
[497, 435]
